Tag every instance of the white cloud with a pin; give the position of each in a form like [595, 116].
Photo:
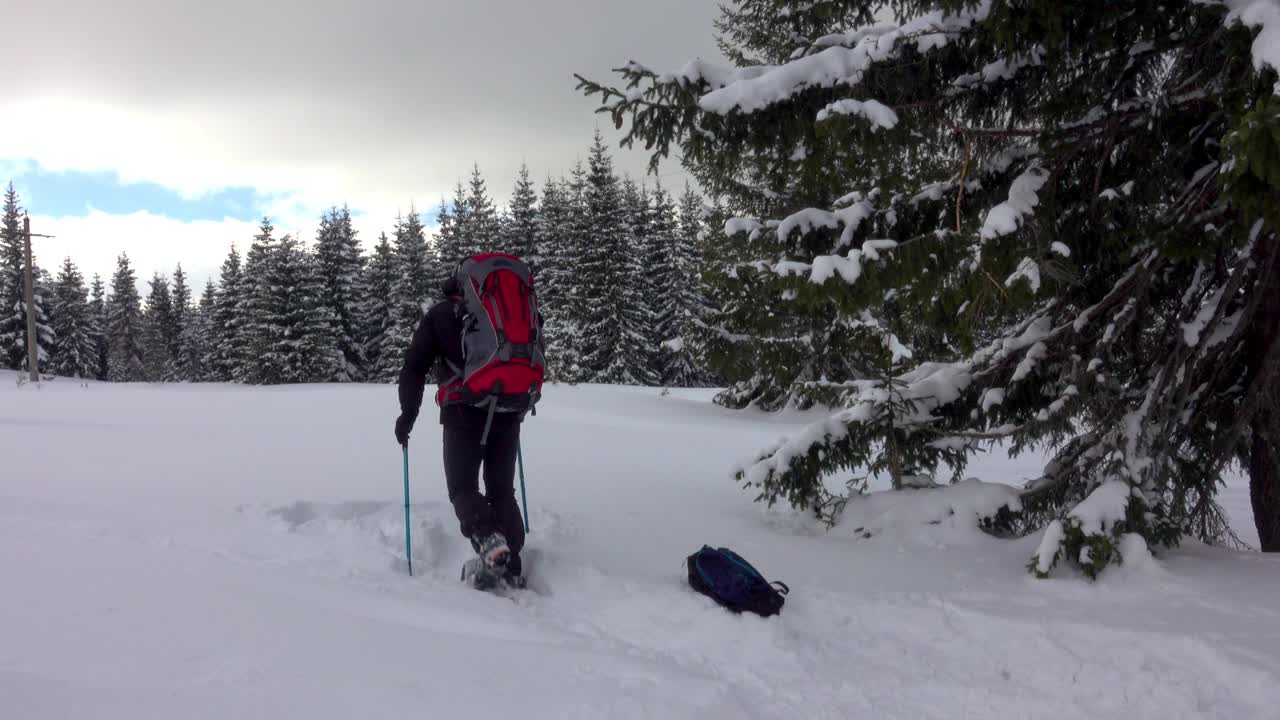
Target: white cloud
[153, 243]
[315, 103]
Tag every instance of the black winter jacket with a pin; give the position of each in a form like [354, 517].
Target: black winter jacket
[437, 338]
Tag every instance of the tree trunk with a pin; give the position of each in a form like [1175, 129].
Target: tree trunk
[1264, 490]
[1264, 460]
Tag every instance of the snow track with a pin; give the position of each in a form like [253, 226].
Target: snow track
[266, 579]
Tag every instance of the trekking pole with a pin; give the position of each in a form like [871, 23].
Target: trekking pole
[408, 551]
[524, 501]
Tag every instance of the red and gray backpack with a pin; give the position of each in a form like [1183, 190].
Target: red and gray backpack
[503, 348]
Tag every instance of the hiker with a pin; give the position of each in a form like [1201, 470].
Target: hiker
[488, 300]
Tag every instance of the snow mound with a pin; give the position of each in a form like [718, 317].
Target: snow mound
[1136, 557]
[1104, 507]
[942, 515]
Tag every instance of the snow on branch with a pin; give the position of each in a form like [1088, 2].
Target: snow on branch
[754, 89]
[713, 74]
[929, 386]
[1007, 217]
[1262, 14]
[879, 114]
[1191, 331]
[1004, 69]
[1028, 269]
[733, 226]
[853, 38]
[807, 220]
[824, 267]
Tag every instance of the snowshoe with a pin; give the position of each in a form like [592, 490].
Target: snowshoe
[479, 575]
[482, 577]
[493, 550]
[516, 582]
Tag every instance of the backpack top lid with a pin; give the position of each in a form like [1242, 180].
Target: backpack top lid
[477, 267]
[498, 288]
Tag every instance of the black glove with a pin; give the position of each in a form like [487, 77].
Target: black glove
[404, 424]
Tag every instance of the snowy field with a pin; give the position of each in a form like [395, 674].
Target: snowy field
[189, 552]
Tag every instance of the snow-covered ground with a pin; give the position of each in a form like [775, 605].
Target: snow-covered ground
[228, 552]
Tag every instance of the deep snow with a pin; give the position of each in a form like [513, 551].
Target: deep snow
[215, 552]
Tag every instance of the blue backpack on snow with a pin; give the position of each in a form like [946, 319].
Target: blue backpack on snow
[725, 577]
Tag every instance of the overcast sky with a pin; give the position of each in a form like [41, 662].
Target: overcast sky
[164, 128]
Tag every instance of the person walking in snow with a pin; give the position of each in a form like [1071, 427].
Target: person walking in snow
[484, 341]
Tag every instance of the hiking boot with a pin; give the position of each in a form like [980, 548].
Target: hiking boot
[493, 550]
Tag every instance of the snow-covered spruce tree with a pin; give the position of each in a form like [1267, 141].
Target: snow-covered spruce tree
[692, 308]
[641, 349]
[451, 239]
[664, 286]
[520, 232]
[579, 239]
[1066, 212]
[717, 261]
[445, 245]
[378, 312]
[605, 303]
[45, 334]
[552, 211]
[565, 235]
[252, 324]
[781, 353]
[98, 316]
[413, 290]
[196, 343]
[125, 325]
[159, 334]
[182, 300]
[13, 305]
[75, 353]
[13, 323]
[296, 327]
[225, 353]
[418, 262]
[338, 253]
[479, 226]
[556, 264]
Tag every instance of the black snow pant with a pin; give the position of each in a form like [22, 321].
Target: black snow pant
[481, 514]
